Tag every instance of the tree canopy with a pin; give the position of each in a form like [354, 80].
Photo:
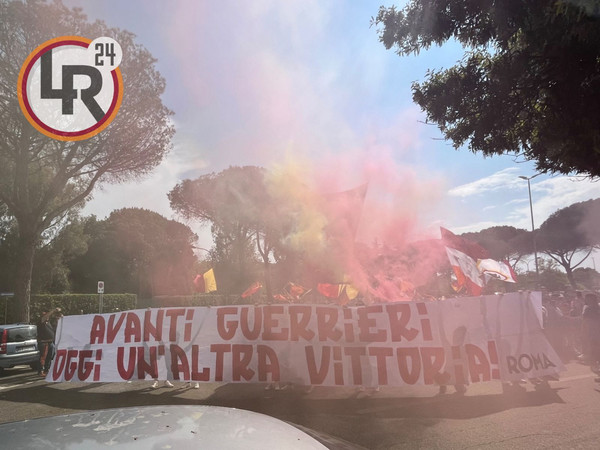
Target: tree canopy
[41, 179]
[570, 235]
[286, 221]
[503, 242]
[137, 251]
[232, 202]
[528, 84]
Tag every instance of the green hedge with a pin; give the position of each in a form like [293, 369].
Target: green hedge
[196, 300]
[70, 304]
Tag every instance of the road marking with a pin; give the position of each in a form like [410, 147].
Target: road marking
[16, 385]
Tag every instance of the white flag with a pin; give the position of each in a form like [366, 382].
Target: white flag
[496, 269]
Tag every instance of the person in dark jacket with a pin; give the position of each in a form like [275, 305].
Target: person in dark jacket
[46, 332]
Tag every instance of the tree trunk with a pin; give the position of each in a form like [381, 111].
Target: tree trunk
[570, 277]
[264, 253]
[268, 287]
[24, 268]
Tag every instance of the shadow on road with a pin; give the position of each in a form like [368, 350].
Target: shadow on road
[19, 370]
[287, 404]
[436, 407]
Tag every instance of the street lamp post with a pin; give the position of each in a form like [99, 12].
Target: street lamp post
[537, 270]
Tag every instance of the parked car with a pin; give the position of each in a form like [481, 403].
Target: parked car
[166, 426]
[18, 346]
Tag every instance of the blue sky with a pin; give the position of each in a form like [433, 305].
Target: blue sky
[264, 82]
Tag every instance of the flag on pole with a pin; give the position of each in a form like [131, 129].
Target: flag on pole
[469, 248]
[467, 275]
[499, 270]
[351, 291]
[343, 292]
[329, 290]
[206, 282]
[295, 291]
[281, 298]
[472, 265]
[463, 256]
[348, 293]
[252, 289]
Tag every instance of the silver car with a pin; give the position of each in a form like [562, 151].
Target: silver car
[18, 346]
[166, 426]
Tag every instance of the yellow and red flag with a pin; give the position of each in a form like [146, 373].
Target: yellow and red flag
[343, 292]
[206, 282]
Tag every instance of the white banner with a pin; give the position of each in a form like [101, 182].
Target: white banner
[463, 340]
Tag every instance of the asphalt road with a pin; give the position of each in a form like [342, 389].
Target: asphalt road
[566, 416]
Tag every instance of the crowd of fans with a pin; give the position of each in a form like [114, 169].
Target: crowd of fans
[572, 325]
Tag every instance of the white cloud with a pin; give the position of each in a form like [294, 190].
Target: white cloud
[516, 201]
[150, 192]
[556, 193]
[502, 180]
[490, 201]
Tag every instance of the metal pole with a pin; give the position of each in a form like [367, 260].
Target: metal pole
[537, 270]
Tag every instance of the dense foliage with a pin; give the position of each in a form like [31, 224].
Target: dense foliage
[139, 251]
[248, 220]
[570, 235]
[42, 179]
[528, 84]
